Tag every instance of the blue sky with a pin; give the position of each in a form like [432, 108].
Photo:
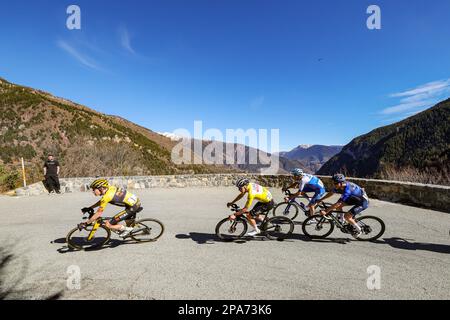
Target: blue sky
[309, 68]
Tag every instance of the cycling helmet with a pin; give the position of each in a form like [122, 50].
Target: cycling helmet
[99, 183]
[338, 178]
[297, 172]
[242, 182]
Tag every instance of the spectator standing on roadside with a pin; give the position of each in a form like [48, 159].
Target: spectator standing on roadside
[51, 172]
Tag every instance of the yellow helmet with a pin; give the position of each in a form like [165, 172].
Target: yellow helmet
[99, 183]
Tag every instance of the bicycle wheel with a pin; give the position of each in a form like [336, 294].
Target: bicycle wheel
[147, 230]
[372, 228]
[317, 227]
[78, 239]
[231, 230]
[286, 209]
[278, 228]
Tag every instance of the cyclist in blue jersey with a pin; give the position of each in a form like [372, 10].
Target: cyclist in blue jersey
[307, 183]
[352, 195]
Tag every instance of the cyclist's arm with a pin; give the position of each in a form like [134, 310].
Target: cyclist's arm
[328, 195]
[242, 211]
[95, 216]
[298, 193]
[337, 205]
[291, 186]
[95, 205]
[239, 197]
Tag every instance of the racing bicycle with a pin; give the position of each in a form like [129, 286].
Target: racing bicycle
[96, 235]
[292, 207]
[320, 227]
[274, 228]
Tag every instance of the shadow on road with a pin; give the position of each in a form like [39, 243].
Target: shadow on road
[302, 237]
[206, 238]
[9, 284]
[400, 243]
[112, 243]
[210, 238]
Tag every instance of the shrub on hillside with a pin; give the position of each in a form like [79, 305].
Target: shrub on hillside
[9, 179]
[410, 174]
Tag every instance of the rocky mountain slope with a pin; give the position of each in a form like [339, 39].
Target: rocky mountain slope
[87, 143]
[419, 145]
[312, 156]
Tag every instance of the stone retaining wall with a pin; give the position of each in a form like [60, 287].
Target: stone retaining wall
[427, 196]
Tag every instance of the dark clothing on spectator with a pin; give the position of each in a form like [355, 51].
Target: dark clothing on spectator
[52, 167]
[51, 175]
[52, 183]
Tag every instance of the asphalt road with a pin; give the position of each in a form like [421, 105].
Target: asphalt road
[188, 262]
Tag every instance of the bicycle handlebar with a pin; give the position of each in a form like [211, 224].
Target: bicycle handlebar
[235, 207]
[91, 212]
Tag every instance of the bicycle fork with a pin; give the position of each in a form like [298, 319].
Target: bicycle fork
[94, 229]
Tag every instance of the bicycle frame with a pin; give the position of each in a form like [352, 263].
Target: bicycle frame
[244, 215]
[100, 221]
[300, 204]
[337, 222]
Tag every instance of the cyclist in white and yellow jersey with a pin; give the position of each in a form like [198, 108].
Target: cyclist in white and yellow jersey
[115, 196]
[254, 191]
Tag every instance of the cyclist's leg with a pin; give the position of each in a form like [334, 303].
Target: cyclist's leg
[123, 215]
[133, 211]
[359, 206]
[254, 213]
[265, 209]
[315, 199]
[262, 209]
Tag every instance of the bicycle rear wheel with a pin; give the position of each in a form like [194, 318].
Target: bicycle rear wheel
[372, 228]
[286, 209]
[231, 230]
[317, 227]
[278, 228]
[147, 230]
[78, 239]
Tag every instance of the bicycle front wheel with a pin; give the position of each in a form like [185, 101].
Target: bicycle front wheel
[372, 228]
[147, 230]
[231, 230]
[317, 227]
[278, 228]
[286, 209]
[84, 239]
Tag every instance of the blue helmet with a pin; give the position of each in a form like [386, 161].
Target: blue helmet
[297, 172]
[338, 178]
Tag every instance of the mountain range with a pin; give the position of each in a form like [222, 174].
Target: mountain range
[34, 123]
[415, 149]
[312, 156]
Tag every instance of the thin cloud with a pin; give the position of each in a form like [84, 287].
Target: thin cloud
[417, 98]
[430, 88]
[74, 53]
[125, 39]
[403, 107]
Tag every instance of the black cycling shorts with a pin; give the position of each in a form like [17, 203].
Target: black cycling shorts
[127, 214]
[359, 205]
[261, 208]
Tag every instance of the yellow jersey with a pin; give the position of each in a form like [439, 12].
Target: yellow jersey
[255, 191]
[118, 197]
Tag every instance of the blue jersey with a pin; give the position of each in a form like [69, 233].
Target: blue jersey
[310, 183]
[351, 190]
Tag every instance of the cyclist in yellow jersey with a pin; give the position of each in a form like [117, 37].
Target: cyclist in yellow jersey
[254, 191]
[115, 196]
